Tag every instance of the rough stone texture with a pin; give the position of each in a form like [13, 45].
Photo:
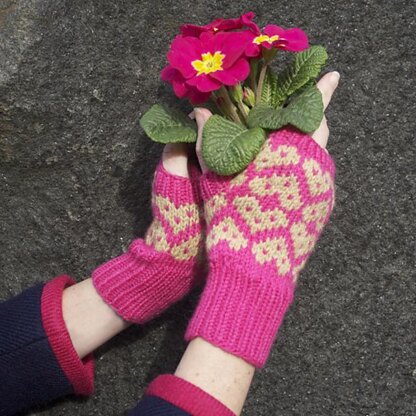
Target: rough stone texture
[75, 170]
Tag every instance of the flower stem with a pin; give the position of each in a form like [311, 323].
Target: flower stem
[261, 81]
[254, 63]
[243, 110]
[219, 102]
[232, 110]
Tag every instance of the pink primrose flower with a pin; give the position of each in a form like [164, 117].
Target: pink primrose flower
[207, 63]
[293, 40]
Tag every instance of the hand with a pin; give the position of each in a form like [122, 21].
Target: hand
[327, 85]
[262, 226]
[175, 159]
[160, 269]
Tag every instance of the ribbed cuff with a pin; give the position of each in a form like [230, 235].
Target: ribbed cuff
[213, 184]
[136, 284]
[178, 188]
[80, 373]
[241, 313]
[187, 396]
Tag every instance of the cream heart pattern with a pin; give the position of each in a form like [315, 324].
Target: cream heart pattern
[156, 237]
[285, 186]
[283, 155]
[258, 220]
[187, 249]
[302, 241]
[316, 213]
[178, 218]
[226, 230]
[318, 181]
[272, 249]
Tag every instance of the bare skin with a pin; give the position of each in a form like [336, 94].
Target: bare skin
[91, 322]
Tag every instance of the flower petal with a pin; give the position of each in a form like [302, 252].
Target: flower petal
[169, 73]
[192, 30]
[204, 83]
[268, 45]
[246, 20]
[273, 30]
[253, 50]
[296, 40]
[198, 97]
[232, 24]
[232, 76]
[232, 45]
[188, 45]
[180, 88]
[184, 50]
[223, 25]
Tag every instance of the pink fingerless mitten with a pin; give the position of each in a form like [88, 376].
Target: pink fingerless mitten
[159, 270]
[262, 227]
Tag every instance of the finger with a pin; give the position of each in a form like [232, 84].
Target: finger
[321, 135]
[202, 115]
[175, 159]
[327, 85]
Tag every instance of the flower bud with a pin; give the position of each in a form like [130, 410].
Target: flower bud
[248, 97]
[236, 93]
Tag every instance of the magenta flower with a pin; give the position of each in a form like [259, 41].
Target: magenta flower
[223, 25]
[181, 89]
[294, 40]
[206, 64]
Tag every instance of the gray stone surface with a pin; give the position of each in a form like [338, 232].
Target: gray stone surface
[75, 170]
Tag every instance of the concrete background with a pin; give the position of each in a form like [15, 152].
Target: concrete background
[75, 169]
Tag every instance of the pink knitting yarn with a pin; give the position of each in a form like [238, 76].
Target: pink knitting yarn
[161, 268]
[262, 227]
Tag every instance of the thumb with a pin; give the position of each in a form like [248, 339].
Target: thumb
[175, 159]
[201, 116]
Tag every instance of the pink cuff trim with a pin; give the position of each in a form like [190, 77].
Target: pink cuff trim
[80, 373]
[187, 396]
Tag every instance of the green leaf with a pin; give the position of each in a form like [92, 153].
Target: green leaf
[267, 117]
[228, 147]
[305, 67]
[300, 91]
[268, 93]
[165, 125]
[305, 111]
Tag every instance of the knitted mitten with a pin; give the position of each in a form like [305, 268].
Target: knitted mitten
[262, 226]
[159, 270]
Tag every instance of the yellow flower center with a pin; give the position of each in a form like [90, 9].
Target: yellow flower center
[264, 38]
[209, 63]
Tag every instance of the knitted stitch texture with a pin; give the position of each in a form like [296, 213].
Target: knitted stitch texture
[159, 270]
[262, 226]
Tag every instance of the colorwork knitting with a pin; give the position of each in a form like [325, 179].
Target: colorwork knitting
[161, 269]
[262, 227]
